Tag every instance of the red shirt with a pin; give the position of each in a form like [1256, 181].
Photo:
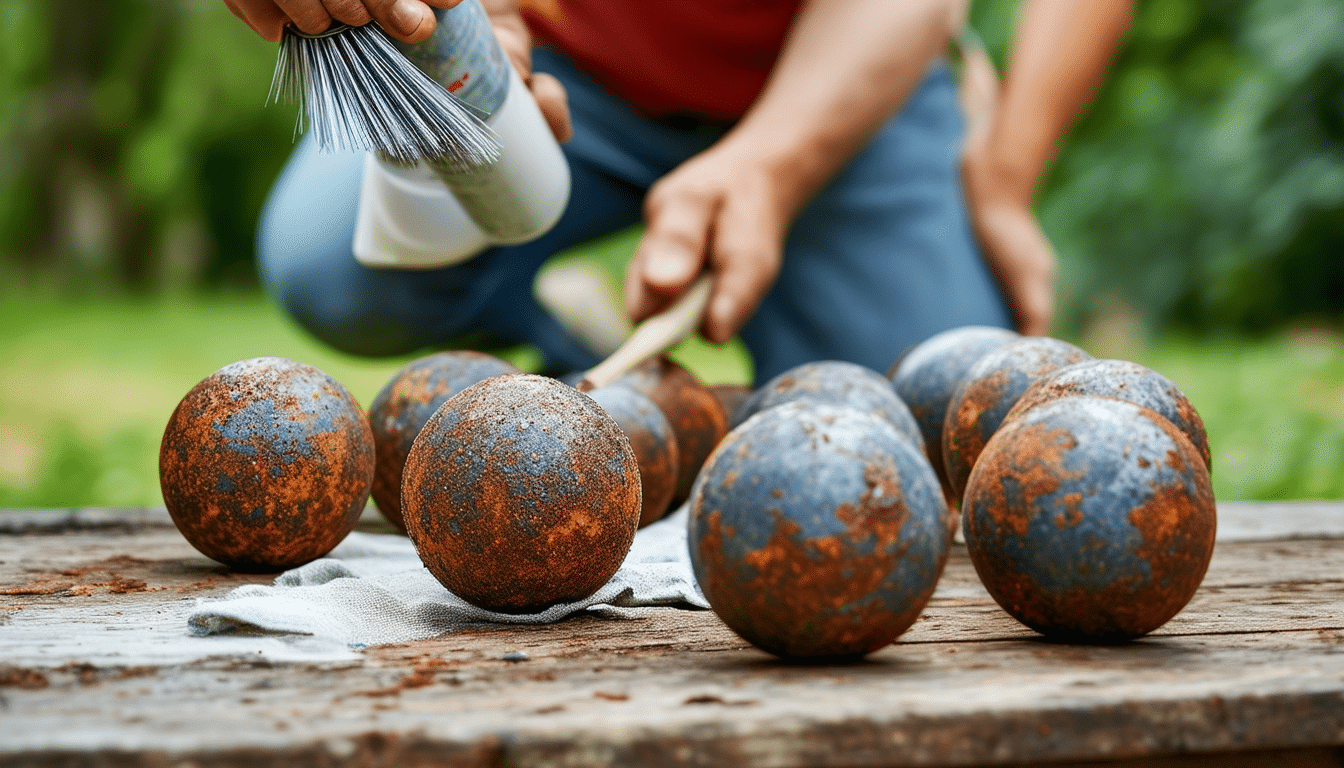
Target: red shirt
[704, 58]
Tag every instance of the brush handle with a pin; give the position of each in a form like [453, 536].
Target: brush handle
[653, 336]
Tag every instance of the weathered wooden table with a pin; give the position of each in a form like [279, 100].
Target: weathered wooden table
[1251, 673]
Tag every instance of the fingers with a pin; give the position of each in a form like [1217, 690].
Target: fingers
[263, 16]
[1032, 298]
[1035, 309]
[410, 21]
[514, 38]
[350, 12]
[703, 217]
[554, 104]
[1023, 260]
[672, 251]
[308, 15]
[745, 257]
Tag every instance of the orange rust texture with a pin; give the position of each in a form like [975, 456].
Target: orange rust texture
[654, 444]
[731, 397]
[962, 439]
[926, 376]
[23, 678]
[658, 461]
[1116, 376]
[1177, 529]
[1043, 392]
[393, 436]
[816, 597]
[981, 403]
[520, 554]
[697, 418]
[1197, 433]
[404, 405]
[1033, 461]
[1129, 607]
[267, 522]
[85, 580]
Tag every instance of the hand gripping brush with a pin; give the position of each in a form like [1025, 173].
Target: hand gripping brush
[358, 91]
[654, 336]
[459, 156]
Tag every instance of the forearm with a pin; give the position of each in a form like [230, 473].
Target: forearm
[845, 68]
[1061, 50]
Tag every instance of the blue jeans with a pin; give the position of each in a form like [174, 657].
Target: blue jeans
[881, 259]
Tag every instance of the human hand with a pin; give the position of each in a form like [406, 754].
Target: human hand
[517, 44]
[725, 210]
[1016, 247]
[1000, 201]
[410, 21]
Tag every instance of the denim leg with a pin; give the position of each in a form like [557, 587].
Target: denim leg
[881, 259]
[884, 256]
[306, 263]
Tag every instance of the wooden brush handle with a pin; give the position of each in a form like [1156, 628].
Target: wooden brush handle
[653, 336]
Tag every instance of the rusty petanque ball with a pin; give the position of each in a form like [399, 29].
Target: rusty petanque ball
[731, 397]
[406, 402]
[690, 406]
[928, 373]
[988, 391]
[838, 383]
[520, 493]
[653, 442]
[1090, 519]
[1123, 380]
[818, 531]
[266, 464]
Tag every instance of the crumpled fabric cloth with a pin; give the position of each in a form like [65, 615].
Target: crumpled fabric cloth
[372, 590]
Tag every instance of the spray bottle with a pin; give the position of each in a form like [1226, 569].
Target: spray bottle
[431, 196]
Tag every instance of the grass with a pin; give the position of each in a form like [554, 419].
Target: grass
[87, 386]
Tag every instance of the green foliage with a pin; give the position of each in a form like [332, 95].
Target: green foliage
[140, 150]
[1272, 410]
[1206, 185]
[1207, 182]
[77, 471]
[87, 386]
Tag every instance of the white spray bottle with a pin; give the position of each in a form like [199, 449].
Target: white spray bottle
[439, 187]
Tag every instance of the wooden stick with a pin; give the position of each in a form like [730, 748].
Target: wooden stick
[653, 336]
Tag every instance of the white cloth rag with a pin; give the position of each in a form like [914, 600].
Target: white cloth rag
[372, 590]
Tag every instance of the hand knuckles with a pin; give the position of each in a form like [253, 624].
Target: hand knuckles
[310, 17]
[348, 11]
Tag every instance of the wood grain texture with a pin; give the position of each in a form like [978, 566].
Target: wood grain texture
[1251, 673]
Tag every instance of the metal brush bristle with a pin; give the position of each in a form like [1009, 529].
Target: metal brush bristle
[358, 92]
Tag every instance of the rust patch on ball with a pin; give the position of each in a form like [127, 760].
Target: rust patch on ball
[927, 374]
[731, 397]
[521, 493]
[814, 570]
[988, 392]
[697, 418]
[963, 437]
[1090, 519]
[1123, 380]
[654, 445]
[406, 402]
[835, 574]
[266, 464]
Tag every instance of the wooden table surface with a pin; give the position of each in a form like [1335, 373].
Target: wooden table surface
[1250, 674]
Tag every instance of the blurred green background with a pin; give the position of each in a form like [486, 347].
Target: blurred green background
[1198, 210]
